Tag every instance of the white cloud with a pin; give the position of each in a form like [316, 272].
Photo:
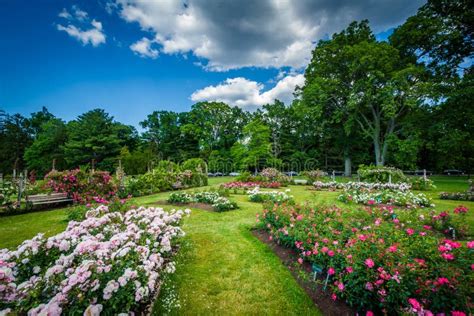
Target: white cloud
[248, 94]
[77, 14]
[143, 48]
[65, 14]
[265, 33]
[94, 36]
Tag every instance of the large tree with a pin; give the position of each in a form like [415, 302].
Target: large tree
[253, 151]
[440, 35]
[47, 146]
[95, 136]
[329, 82]
[15, 137]
[216, 124]
[358, 86]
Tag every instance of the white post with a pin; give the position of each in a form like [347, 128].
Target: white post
[424, 174]
[389, 178]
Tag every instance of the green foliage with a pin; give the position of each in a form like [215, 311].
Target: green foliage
[165, 177]
[381, 174]
[421, 183]
[8, 193]
[47, 146]
[95, 136]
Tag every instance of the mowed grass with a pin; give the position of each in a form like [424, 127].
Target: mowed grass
[221, 267]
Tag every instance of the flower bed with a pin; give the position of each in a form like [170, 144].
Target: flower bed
[219, 203]
[333, 185]
[405, 199]
[251, 185]
[110, 261]
[277, 197]
[457, 196]
[377, 262]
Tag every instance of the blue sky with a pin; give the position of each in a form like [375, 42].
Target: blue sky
[242, 53]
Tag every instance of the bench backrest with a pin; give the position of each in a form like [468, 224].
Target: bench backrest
[48, 197]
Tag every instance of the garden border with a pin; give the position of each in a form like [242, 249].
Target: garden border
[320, 298]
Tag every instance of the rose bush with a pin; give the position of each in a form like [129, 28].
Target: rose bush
[278, 197]
[218, 202]
[110, 261]
[333, 185]
[400, 198]
[81, 185]
[378, 260]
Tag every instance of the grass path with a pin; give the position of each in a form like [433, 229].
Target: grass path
[224, 269]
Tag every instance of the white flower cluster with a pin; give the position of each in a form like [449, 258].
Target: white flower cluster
[279, 197]
[399, 198]
[333, 185]
[112, 263]
[219, 203]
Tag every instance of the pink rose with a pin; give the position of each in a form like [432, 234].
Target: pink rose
[369, 263]
[331, 271]
[415, 304]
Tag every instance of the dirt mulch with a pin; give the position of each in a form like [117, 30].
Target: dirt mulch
[322, 299]
[202, 206]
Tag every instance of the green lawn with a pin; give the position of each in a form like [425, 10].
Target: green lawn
[222, 268]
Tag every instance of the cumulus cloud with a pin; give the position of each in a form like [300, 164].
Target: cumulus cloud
[265, 33]
[92, 35]
[143, 48]
[248, 94]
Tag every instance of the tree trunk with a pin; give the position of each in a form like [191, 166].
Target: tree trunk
[347, 163]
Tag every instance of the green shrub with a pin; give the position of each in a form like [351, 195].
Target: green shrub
[421, 184]
[381, 174]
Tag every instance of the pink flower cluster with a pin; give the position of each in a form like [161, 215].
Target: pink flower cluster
[379, 260]
[82, 186]
[251, 185]
[99, 260]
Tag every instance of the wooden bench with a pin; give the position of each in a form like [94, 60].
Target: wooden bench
[43, 199]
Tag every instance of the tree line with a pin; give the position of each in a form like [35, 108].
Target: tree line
[407, 102]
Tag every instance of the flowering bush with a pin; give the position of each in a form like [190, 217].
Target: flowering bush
[110, 261]
[376, 261]
[277, 197]
[381, 174]
[399, 198]
[333, 185]
[457, 196]
[422, 184]
[445, 223]
[314, 175]
[78, 212]
[273, 175]
[219, 203]
[159, 180]
[82, 186]
[7, 194]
